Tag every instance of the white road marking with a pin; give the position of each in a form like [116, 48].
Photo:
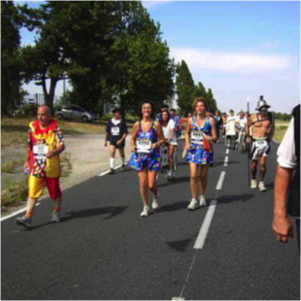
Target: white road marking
[227, 151]
[16, 213]
[199, 243]
[226, 161]
[107, 171]
[177, 298]
[220, 181]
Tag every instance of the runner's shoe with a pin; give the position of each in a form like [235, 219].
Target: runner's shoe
[24, 221]
[145, 211]
[123, 167]
[202, 201]
[155, 204]
[112, 171]
[56, 216]
[261, 186]
[193, 204]
[253, 184]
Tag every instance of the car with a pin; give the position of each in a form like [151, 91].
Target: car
[75, 112]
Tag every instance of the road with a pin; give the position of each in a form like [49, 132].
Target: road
[103, 250]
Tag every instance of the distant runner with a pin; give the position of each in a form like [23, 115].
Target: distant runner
[262, 125]
[116, 133]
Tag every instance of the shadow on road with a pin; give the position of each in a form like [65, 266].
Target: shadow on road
[112, 211]
[174, 206]
[175, 181]
[226, 199]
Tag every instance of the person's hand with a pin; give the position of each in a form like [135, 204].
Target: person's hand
[282, 227]
[133, 149]
[119, 142]
[51, 154]
[207, 137]
[26, 165]
[106, 143]
[187, 146]
[154, 145]
[248, 140]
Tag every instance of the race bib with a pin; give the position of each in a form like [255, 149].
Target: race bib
[143, 145]
[115, 130]
[197, 136]
[40, 151]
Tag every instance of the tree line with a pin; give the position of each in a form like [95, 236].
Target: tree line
[109, 51]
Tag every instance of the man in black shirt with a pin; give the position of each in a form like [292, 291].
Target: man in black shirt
[116, 133]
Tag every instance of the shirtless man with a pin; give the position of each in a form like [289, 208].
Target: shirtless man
[262, 126]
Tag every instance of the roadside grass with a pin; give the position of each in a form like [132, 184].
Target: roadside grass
[279, 132]
[10, 166]
[15, 194]
[66, 165]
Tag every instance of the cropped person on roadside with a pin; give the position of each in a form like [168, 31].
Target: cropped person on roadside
[287, 182]
[146, 139]
[45, 143]
[230, 128]
[164, 107]
[116, 133]
[178, 122]
[218, 123]
[200, 134]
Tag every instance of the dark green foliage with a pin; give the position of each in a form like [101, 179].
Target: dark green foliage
[10, 58]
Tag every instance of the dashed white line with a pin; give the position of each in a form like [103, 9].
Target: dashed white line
[107, 171]
[199, 243]
[227, 151]
[226, 161]
[16, 213]
[220, 181]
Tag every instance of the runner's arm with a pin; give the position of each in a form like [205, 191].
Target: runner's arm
[213, 129]
[187, 134]
[134, 136]
[160, 134]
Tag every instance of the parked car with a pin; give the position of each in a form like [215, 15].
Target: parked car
[75, 112]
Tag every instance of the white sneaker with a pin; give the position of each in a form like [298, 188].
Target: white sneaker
[155, 204]
[253, 184]
[261, 186]
[145, 211]
[202, 201]
[193, 204]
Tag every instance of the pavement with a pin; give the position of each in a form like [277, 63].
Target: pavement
[103, 250]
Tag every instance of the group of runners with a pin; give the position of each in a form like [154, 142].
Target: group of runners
[45, 143]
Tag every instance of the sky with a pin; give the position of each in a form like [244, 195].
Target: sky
[239, 49]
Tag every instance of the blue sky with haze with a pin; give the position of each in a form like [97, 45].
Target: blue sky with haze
[240, 49]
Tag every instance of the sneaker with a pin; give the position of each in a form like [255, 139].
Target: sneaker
[253, 184]
[112, 171]
[202, 201]
[24, 221]
[123, 167]
[261, 186]
[155, 204]
[145, 211]
[193, 204]
[56, 216]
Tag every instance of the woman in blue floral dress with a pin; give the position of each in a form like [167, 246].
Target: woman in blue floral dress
[145, 146]
[200, 134]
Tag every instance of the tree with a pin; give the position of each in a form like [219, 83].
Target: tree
[185, 87]
[10, 58]
[211, 102]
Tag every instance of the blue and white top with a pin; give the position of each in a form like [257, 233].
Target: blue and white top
[197, 133]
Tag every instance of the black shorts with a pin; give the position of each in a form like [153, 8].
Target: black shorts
[118, 146]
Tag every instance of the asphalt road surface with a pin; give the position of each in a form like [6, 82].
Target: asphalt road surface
[104, 250]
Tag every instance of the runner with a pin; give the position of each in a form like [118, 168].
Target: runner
[262, 133]
[164, 107]
[200, 134]
[218, 123]
[169, 130]
[45, 143]
[224, 120]
[177, 119]
[116, 133]
[146, 139]
[230, 128]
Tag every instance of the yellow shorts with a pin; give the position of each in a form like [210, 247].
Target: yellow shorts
[36, 186]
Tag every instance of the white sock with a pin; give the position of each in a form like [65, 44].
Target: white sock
[112, 162]
[123, 160]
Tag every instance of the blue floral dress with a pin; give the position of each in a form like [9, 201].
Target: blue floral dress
[196, 153]
[145, 157]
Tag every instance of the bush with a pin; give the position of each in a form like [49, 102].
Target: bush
[27, 110]
[16, 193]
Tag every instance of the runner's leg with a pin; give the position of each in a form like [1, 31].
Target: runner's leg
[204, 177]
[143, 183]
[193, 179]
